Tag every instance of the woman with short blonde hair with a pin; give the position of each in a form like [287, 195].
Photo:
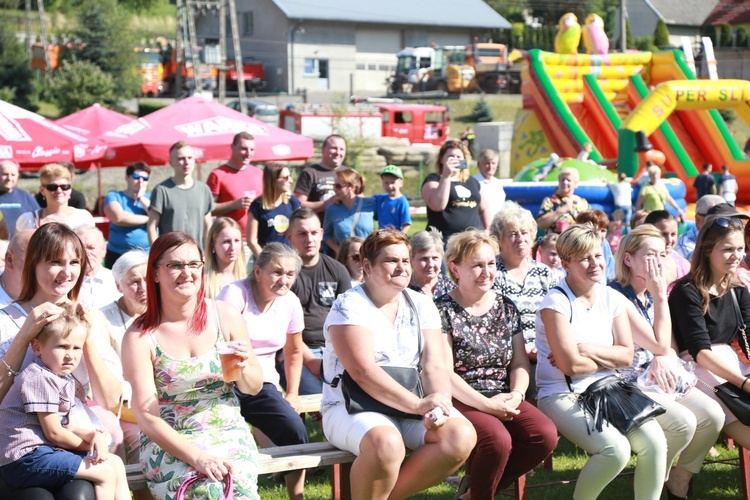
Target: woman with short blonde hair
[56, 188]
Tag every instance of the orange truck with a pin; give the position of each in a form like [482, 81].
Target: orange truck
[206, 73]
[493, 66]
[151, 71]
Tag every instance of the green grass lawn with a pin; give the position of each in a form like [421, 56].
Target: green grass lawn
[715, 481]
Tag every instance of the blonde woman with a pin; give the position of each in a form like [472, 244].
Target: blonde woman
[268, 218]
[454, 200]
[226, 256]
[352, 214]
[56, 188]
[692, 421]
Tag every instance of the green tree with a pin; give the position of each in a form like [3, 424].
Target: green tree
[103, 39]
[16, 76]
[725, 38]
[79, 84]
[646, 43]
[481, 112]
[741, 40]
[661, 34]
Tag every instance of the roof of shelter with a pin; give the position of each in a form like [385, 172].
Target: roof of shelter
[449, 13]
[729, 12]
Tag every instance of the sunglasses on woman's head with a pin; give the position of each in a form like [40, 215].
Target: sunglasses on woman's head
[55, 187]
[725, 222]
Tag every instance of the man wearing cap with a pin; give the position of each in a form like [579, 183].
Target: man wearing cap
[686, 243]
[392, 206]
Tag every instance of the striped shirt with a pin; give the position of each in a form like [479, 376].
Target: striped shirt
[35, 390]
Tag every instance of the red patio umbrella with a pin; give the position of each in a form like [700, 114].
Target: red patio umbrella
[32, 141]
[208, 127]
[92, 123]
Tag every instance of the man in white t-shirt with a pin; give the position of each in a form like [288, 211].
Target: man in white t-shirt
[491, 187]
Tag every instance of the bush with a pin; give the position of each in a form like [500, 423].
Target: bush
[741, 40]
[482, 112]
[146, 107]
[79, 84]
[661, 34]
[645, 43]
[725, 38]
[728, 115]
[16, 77]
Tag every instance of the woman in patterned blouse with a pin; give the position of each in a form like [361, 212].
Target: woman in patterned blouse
[519, 277]
[491, 370]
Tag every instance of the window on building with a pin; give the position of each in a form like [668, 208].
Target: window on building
[360, 65]
[383, 67]
[371, 67]
[247, 23]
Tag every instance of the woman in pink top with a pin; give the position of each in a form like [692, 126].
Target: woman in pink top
[275, 321]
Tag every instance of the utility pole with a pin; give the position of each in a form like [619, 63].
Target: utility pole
[29, 41]
[221, 7]
[623, 26]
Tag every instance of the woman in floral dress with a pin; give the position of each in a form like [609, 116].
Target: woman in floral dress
[189, 417]
[491, 370]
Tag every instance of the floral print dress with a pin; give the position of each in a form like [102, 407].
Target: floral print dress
[195, 401]
[482, 345]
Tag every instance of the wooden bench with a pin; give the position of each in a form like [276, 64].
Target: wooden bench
[286, 458]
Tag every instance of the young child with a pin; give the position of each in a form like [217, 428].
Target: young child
[545, 251]
[393, 207]
[41, 444]
[616, 230]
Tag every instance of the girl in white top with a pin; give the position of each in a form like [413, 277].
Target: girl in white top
[582, 331]
[56, 188]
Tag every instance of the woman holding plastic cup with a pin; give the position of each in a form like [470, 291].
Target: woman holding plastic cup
[189, 416]
[275, 320]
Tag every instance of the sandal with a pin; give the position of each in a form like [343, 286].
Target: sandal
[463, 487]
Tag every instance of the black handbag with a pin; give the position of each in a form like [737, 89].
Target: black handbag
[616, 402]
[613, 400]
[733, 397]
[357, 400]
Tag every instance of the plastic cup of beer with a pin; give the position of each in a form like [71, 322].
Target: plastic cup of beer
[230, 369]
[251, 194]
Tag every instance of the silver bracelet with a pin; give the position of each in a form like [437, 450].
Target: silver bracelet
[523, 396]
[11, 371]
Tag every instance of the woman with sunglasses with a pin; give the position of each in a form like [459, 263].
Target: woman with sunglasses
[352, 214]
[55, 187]
[350, 257]
[189, 416]
[692, 421]
[127, 212]
[453, 197]
[706, 318]
[268, 218]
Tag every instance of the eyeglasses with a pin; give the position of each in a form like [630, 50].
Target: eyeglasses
[177, 267]
[55, 187]
[285, 178]
[725, 222]
[136, 176]
[354, 257]
[336, 185]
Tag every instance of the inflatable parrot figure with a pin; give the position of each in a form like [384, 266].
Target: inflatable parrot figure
[594, 38]
[568, 34]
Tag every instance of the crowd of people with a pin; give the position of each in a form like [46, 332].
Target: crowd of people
[185, 339]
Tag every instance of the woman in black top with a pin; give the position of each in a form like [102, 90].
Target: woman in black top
[453, 200]
[705, 320]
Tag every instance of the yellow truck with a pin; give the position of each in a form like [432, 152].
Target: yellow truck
[423, 69]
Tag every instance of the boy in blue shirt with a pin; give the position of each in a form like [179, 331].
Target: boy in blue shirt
[393, 207]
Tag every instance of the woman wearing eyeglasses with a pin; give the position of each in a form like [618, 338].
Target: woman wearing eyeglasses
[127, 212]
[268, 218]
[453, 197]
[56, 188]
[189, 416]
[352, 214]
[350, 257]
[706, 319]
